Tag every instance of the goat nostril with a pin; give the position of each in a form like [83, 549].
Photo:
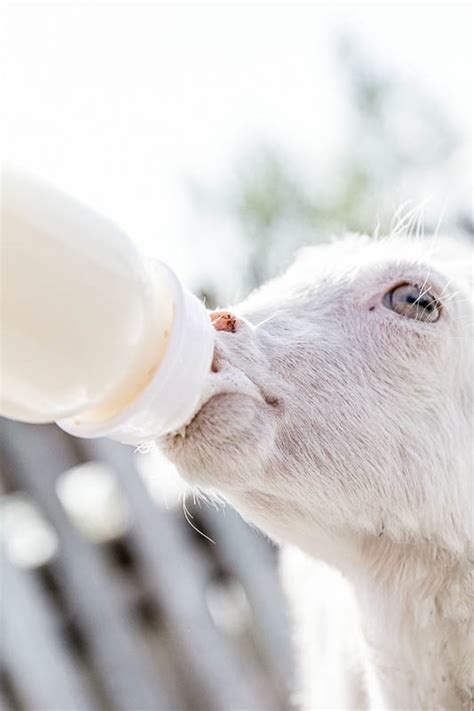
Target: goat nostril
[271, 400]
[215, 365]
[224, 321]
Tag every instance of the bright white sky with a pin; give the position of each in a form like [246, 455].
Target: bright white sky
[122, 103]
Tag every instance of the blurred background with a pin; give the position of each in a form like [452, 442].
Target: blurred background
[222, 137]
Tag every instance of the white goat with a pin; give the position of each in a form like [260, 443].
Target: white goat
[338, 420]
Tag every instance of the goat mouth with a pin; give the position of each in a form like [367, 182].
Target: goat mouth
[174, 440]
[190, 429]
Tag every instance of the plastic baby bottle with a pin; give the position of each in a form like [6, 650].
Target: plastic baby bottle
[93, 336]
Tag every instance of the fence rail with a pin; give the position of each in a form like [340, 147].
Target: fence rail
[139, 612]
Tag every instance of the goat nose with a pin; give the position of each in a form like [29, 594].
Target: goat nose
[224, 321]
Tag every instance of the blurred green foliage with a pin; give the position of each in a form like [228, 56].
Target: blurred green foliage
[397, 134]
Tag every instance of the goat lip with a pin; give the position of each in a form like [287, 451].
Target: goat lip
[228, 380]
[232, 380]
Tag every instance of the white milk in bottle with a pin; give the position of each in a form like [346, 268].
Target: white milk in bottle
[93, 335]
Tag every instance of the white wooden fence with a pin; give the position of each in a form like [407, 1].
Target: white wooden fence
[142, 614]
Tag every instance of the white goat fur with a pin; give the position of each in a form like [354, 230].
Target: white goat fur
[343, 430]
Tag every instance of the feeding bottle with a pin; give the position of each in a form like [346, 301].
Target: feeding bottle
[93, 336]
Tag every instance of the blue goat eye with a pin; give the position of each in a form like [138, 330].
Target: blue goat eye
[411, 301]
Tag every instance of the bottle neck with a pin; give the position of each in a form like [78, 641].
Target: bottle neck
[169, 398]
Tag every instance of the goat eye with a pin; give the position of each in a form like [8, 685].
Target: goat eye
[412, 302]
